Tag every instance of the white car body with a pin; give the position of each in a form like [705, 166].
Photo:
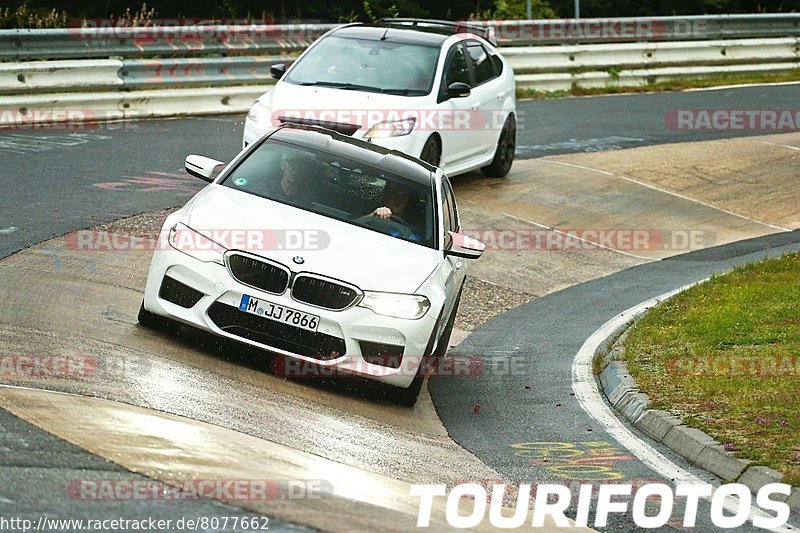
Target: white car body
[468, 128]
[357, 256]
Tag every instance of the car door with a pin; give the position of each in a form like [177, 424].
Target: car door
[453, 268]
[488, 93]
[454, 114]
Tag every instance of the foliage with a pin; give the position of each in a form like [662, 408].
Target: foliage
[23, 16]
[55, 13]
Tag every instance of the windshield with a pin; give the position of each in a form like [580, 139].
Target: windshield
[338, 188]
[368, 65]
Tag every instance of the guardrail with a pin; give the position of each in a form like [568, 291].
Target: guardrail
[167, 40]
[238, 69]
[170, 41]
[644, 29]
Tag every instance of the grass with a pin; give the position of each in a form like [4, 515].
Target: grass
[664, 86]
[725, 356]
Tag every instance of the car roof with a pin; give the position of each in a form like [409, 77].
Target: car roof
[329, 141]
[391, 34]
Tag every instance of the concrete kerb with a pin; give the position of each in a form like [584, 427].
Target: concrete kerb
[622, 392]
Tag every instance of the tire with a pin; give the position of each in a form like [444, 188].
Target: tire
[408, 397]
[152, 320]
[504, 153]
[432, 151]
[444, 340]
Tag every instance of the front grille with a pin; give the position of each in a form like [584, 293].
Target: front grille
[178, 293]
[341, 127]
[378, 353]
[323, 293]
[275, 334]
[259, 274]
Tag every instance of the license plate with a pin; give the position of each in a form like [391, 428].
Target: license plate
[278, 313]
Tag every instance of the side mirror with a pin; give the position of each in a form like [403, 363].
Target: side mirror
[458, 89]
[464, 246]
[203, 167]
[277, 71]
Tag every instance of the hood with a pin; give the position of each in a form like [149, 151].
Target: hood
[365, 258]
[327, 104]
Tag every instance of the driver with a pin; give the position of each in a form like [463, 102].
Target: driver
[296, 175]
[396, 197]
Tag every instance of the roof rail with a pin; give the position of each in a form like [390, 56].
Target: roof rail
[440, 26]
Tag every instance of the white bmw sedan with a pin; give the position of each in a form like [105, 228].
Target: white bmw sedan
[430, 89]
[335, 253]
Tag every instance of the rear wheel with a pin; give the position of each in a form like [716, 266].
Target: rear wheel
[432, 151]
[504, 153]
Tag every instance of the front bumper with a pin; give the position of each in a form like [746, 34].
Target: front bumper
[347, 342]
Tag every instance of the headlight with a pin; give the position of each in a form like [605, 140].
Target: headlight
[410, 306]
[195, 244]
[391, 128]
[260, 114]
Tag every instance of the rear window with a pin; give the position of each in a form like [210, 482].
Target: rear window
[338, 188]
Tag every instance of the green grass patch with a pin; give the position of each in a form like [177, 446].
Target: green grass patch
[664, 86]
[725, 356]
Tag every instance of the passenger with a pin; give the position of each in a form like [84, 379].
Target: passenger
[296, 173]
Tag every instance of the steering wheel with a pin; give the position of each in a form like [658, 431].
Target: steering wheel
[393, 224]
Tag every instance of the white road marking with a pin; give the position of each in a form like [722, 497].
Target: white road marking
[592, 401]
[8, 231]
[780, 145]
[20, 143]
[665, 191]
[583, 145]
[741, 86]
[567, 234]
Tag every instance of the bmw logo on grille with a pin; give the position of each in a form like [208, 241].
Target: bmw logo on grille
[299, 260]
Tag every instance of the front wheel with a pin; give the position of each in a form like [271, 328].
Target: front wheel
[408, 397]
[504, 153]
[152, 320]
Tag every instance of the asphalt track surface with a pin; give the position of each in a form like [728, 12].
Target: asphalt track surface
[36, 470]
[58, 181]
[51, 186]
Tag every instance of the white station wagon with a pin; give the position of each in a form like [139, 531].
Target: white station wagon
[431, 89]
[371, 286]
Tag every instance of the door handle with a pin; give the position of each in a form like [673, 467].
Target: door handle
[459, 264]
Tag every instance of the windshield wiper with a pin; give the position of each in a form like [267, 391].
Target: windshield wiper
[346, 86]
[404, 92]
